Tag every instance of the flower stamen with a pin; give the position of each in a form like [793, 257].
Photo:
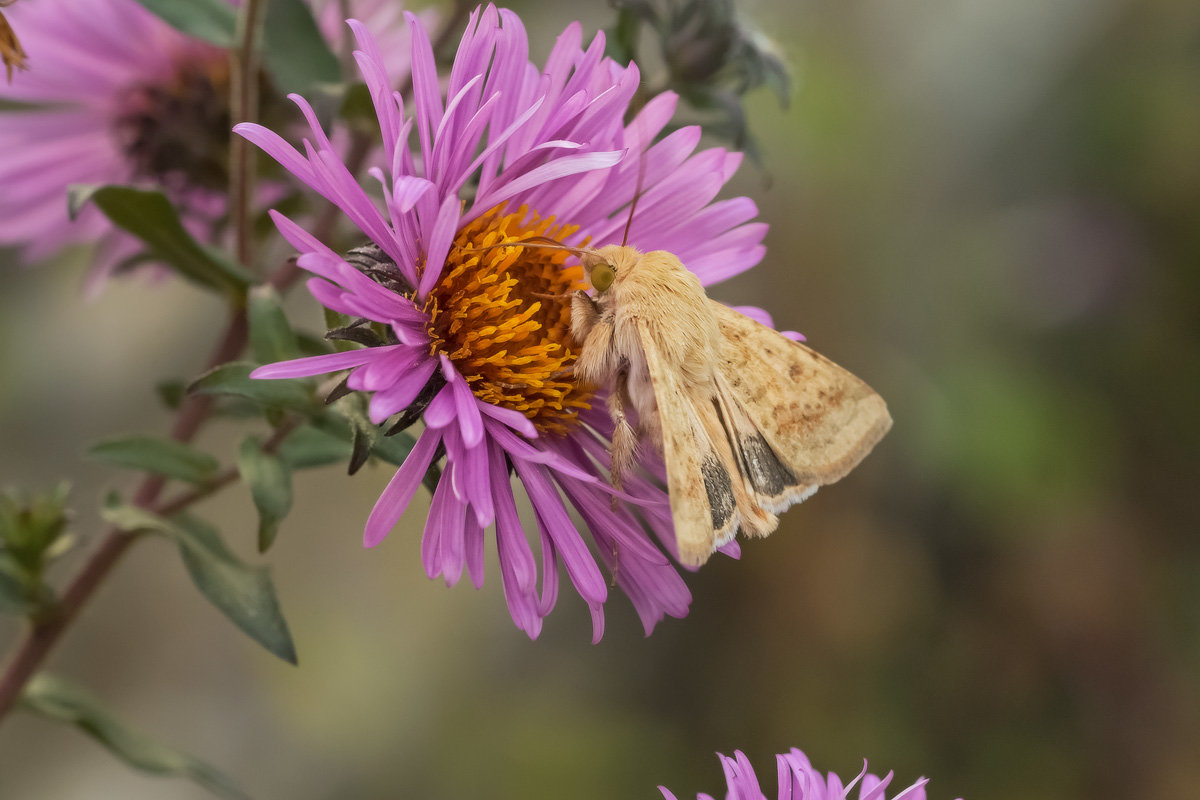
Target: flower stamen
[501, 314]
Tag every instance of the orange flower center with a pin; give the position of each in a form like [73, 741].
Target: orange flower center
[503, 316]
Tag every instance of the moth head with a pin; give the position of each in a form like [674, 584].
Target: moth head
[602, 276]
[608, 265]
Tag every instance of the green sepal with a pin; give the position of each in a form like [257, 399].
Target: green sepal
[61, 701]
[334, 320]
[242, 592]
[31, 528]
[149, 215]
[32, 535]
[165, 457]
[395, 448]
[270, 483]
[352, 424]
[213, 21]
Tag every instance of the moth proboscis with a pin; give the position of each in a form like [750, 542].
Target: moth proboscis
[748, 421]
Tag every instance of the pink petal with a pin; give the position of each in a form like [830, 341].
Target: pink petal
[319, 365]
[401, 488]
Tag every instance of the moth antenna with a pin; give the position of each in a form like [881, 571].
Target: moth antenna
[545, 296]
[637, 195]
[536, 241]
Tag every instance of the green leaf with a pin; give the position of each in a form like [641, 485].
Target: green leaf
[246, 594]
[61, 701]
[242, 592]
[623, 35]
[270, 484]
[297, 55]
[395, 448]
[310, 447]
[357, 107]
[211, 20]
[149, 215]
[311, 345]
[171, 391]
[234, 379]
[271, 336]
[160, 456]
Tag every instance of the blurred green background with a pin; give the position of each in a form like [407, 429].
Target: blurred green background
[989, 210]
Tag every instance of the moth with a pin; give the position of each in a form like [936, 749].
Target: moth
[748, 422]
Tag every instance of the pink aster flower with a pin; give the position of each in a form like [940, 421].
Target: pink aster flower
[799, 781]
[119, 96]
[480, 347]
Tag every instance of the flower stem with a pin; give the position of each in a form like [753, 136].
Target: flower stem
[243, 101]
[42, 634]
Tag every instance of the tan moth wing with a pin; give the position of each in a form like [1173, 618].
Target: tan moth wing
[819, 419]
[702, 481]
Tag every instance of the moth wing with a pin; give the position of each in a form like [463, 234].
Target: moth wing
[703, 506]
[773, 484]
[817, 417]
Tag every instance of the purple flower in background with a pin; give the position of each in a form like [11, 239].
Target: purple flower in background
[799, 781]
[501, 152]
[119, 96]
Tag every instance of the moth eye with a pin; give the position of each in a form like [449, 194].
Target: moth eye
[603, 276]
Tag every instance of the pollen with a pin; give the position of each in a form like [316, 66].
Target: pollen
[503, 316]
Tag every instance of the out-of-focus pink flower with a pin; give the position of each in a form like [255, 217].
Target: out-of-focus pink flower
[119, 96]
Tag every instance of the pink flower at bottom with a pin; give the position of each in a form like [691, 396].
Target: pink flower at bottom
[799, 781]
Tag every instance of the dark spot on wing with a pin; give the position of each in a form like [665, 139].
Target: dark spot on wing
[720, 492]
[768, 475]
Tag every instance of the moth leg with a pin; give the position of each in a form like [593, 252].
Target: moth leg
[585, 315]
[597, 359]
[625, 438]
[616, 566]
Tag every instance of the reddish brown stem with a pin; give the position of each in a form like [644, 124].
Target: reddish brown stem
[41, 635]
